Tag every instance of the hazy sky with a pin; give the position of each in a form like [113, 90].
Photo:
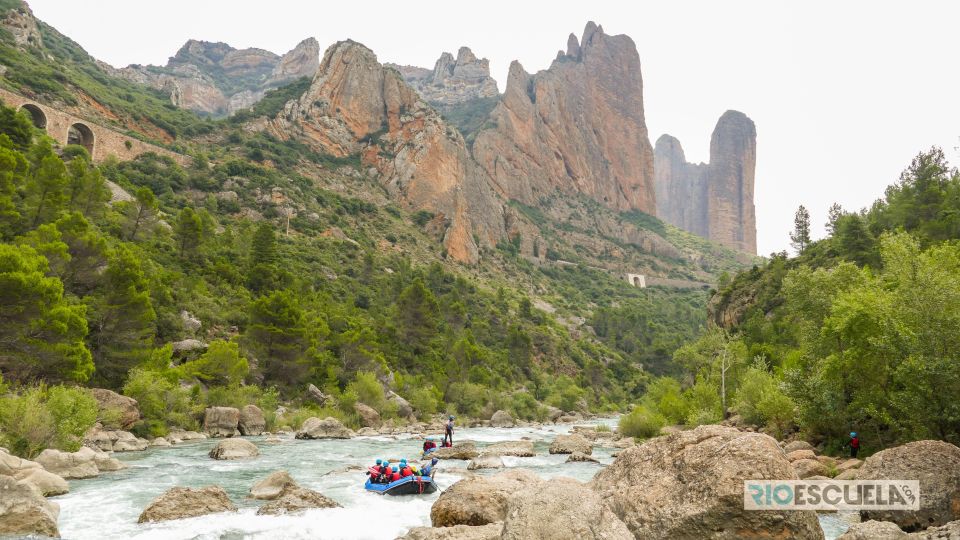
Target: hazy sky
[844, 94]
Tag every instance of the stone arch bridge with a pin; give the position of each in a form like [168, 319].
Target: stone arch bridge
[100, 141]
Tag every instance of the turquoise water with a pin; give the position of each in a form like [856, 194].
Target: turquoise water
[107, 507]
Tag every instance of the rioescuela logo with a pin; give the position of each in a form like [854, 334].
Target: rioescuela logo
[831, 494]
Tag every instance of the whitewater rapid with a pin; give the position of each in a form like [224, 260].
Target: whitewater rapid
[107, 507]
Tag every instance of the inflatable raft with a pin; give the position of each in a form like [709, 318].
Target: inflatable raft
[411, 485]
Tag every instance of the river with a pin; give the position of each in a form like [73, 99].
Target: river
[107, 507]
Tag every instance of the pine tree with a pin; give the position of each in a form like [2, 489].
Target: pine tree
[278, 336]
[417, 314]
[833, 215]
[46, 187]
[263, 248]
[189, 231]
[13, 170]
[144, 211]
[800, 237]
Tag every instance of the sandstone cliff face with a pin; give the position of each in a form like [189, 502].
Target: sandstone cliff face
[712, 200]
[356, 105]
[577, 127]
[453, 80]
[21, 24]
[216, 79]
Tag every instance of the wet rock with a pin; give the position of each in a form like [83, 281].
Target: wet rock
[579, 457]
[160, 442]
[70, 465]
[936, 464]
[490, 531]
[221, 422]
[48, 483]
[251, 421]
[24, 511]
[690, 485]
[369, 417]
[295, 499]
[560, 509]
[234, 449]
[270, 487]
[181, 503]
[181, 435]
[509, 448]
[568, 444]
[113, 440]
[501, 419]
[479, 500]
[485, 462]
[461, 450]
[116, 411]
[328, 428]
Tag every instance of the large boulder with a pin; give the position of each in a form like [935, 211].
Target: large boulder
[270, 487]
[793, 446]
[479, 500]
[116, 411]
[797, 455]
[490, 531]
[461, 450]
[936, 464]
[48, 483]
[106, 463]
[70, 465]
[501, 419]
[404, 409]
[690, 485]
[873, 530]
[568, 444]
[509, 448]
[11, 465]
[581, 458]
[485, 462]
[181, 503]
[124, 441]
[251, 421]
[369, 417]
[221, 422]
[553, 413]
[317, 395]
[806, 468]
[849, 464]
[295, 499]
[560, 509]
[24, 511]
[234, 449]
[328, 428]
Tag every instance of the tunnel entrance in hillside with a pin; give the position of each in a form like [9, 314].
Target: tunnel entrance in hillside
[36, 115]
[82, 135]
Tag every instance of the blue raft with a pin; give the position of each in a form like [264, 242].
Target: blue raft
[411, 485]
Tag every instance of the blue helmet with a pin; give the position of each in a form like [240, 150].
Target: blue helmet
[853, 433]
[394, 469]
[379, 461]
[403, 462]
[434, 461]
[451, 417]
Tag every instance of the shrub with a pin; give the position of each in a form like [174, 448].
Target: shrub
[524, 405]
[368, 390]
[162, 403]
[565, 394]
[40, 417]
[220, 364]
[424, 401]
[641, 422]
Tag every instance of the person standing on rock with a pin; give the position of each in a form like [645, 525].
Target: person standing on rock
[448, 432]
[854, 444]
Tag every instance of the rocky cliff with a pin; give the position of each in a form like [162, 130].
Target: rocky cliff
[577, 127]
[452, 80]
[712, 200]
[216, 79]
[355, 105]
[19, 21]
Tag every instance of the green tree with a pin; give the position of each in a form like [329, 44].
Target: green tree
[142, 212]
[418, 315]
[16, 125]
[189, 232]
[263, 247]
[278, 337]
[41, 334]
[833, 216]
[221, 364]
[800, 237]
[46, 187]
[854, 240]
[87, 191]
[13, 171]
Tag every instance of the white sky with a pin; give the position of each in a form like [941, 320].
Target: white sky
[844, 94]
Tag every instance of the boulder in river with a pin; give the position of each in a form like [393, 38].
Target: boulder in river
[580, 457]
[690, 485]
[369, 417]
[559, 509]
[295, 499]
[328, 428]
[509, 448]
[251, 422]
[461, 450]
[70, 465]
[479, 500]
[936, 464]
[48, 483]
[234, 449]
[24, 511]
[181, 502]
[501, 419]
[491, 531]
[116, 411]
[485, 462]
[221, 421]
[568, 444]
[270, 487]
[11, 465]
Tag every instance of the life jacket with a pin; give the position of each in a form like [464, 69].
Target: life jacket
[374, 472]
[429, 445]
[394, 477]
[855, 442]
[406, 472]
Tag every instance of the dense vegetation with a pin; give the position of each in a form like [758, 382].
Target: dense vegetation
[858, 332]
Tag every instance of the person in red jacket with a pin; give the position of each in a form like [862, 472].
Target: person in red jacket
[854, 444]
[375, 471]
[405, 470]
[395, 473]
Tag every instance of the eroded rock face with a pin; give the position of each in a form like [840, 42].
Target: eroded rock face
[251, 421]
[356, 106]
[690, 485]
[712, 200]
[221, 422]
[328, 428]
[181, 503]
[24, 511]
[577, 127]
[22, 25]
[369, 417]
[560, 509]
[936, 464]
[479, 500]
[452, 80]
